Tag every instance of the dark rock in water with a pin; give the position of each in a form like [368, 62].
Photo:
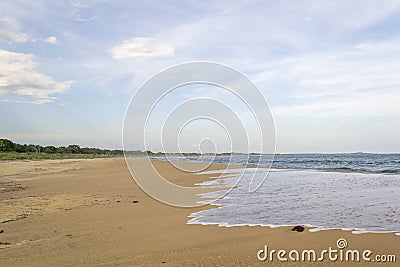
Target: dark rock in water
[298, 228]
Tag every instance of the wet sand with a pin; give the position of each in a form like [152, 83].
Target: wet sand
[92, 213]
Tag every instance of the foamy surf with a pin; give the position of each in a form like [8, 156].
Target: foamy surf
[356, 202]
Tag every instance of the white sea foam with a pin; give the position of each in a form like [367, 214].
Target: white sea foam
[355, 202]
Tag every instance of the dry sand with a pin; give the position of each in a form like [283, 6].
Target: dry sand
[92, 213]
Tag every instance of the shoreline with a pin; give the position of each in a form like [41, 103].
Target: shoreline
[224, 221]
[83, 212]
[339, 170]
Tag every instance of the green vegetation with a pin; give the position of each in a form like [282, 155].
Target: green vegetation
[14, 151]
[36, 156]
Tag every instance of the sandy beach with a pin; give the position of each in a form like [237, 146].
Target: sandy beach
[92, 213]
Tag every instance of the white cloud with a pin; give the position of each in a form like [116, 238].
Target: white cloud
[51, 39]
[21, 82]
[9, 34]
[78, 6]
[343, 14]
[360, 80]
[141, 47]
[370, 104]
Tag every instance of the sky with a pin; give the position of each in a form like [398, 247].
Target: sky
[328, 69]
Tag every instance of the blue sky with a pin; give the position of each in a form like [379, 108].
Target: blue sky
[329, 69]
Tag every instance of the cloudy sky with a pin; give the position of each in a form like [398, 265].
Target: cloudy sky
[330, 70]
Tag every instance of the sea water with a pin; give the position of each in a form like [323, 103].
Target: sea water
[360, 162]
[358, 192]
[361, 202]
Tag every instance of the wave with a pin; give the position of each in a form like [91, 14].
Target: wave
[357, 202]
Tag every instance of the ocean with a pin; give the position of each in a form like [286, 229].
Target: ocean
[358, 192]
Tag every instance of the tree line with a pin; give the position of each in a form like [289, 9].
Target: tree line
[9, 146]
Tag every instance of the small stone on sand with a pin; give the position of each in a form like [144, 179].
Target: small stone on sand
[298, 228]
